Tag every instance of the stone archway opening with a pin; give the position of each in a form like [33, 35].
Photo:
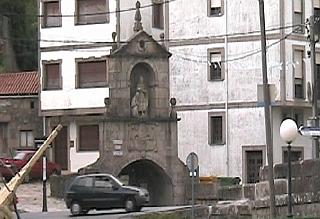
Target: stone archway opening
[147, 174]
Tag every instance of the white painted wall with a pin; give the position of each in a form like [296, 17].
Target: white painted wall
[69, 32]
[79, 159]
[70, 97]
[193, 137]
[127, 19]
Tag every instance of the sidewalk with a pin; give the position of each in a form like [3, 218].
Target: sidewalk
[30, 198]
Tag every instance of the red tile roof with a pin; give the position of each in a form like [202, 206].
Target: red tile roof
[20, 83]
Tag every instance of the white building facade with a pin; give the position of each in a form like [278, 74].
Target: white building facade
[215, 75]
[221, 107]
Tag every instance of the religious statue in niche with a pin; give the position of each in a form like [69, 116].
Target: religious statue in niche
[140, 101]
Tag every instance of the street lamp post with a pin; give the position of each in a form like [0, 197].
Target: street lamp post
[289, 132]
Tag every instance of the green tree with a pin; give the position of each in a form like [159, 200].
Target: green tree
[23, 31]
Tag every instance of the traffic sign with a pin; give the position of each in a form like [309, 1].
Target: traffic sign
[310, 131]
[192, 162]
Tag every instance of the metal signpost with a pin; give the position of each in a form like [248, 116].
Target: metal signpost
[38, 143]
[192, 164]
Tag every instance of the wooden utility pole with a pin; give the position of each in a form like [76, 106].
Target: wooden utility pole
[266, 96]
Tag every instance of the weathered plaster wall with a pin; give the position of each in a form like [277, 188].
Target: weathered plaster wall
[191, 20]
[192, 137]
[189, 79]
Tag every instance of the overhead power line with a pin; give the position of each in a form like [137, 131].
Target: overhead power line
[240, 57]
[174, 40]
[87, 14]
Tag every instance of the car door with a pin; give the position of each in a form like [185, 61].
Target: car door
[106, 193]
[83, 191]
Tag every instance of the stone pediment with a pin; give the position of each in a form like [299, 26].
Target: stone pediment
[141, 44]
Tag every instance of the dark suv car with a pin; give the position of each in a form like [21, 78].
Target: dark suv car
[101, 192]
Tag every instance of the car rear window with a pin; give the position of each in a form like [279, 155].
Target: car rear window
[19, 155]
[84, 181]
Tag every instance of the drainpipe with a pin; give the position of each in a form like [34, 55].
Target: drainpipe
[227, 87]
[282, 56]
[118, 22]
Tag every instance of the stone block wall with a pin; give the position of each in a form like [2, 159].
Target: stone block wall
[19, 114]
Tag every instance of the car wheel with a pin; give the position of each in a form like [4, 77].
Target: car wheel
[75, 208]
[130, 204]
[84, 211]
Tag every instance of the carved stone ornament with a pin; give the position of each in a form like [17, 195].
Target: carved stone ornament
[142, 138]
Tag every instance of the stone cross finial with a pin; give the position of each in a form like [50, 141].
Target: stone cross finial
[137, 19]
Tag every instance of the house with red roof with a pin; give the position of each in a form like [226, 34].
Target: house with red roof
[20, 122]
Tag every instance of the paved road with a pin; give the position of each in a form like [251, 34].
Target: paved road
[111, 214]
[66, 214]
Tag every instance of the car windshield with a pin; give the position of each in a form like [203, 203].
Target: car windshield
[117, 181]
[19, 156]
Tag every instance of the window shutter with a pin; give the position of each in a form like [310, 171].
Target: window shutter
[92, 73]
[53, 76]
[93, 11]
[51, 10]
[298, 70]
[297, 5]
[316, 3]
[215, 3]
[89, 137]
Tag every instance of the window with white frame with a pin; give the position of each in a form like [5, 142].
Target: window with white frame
[92, 11]
[298, 74]
[298, 16]
[51, 14]
[26, 139]
[215, 7]
[216, 128]
[216, 65]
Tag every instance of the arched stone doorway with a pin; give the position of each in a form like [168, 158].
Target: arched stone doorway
[147, 174]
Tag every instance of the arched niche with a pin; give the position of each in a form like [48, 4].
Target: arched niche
[142, 79]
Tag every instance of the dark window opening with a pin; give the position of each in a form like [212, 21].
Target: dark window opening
[89, 138]
[215, 7]
[158, 20]
[216, 130]
[294, 156]
[254, 163]
[215, 70]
